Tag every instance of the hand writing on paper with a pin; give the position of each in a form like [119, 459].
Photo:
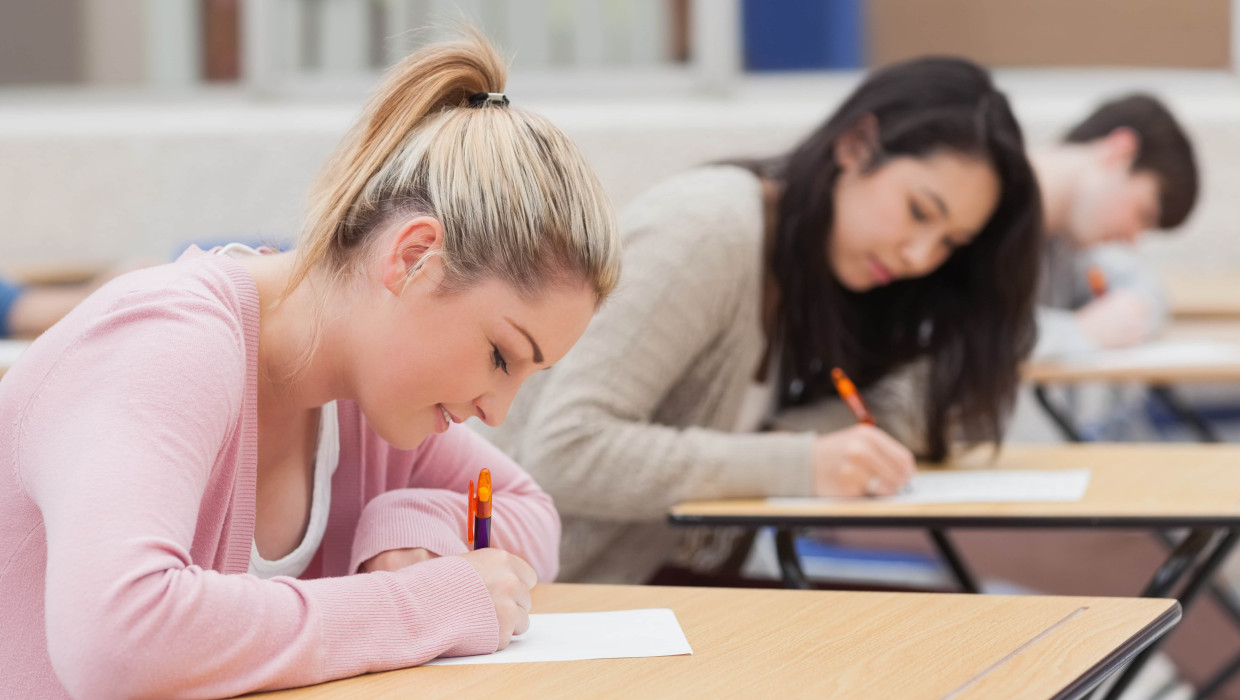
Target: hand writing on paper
[860, 461]
[1118, 320]
[395, 559]
[508, 579]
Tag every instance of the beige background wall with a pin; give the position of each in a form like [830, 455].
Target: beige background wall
[1148, 33]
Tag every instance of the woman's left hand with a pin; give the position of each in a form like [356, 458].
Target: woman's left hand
[395, 559]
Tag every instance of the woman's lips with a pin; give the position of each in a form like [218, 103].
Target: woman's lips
[881, 274]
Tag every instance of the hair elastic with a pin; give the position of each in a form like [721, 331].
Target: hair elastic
[480, 99]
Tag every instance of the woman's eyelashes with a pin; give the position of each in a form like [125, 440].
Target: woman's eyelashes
[497, 358]
[919, 215]
[917, 212]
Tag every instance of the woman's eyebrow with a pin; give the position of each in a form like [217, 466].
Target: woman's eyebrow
[937, 200]
[538, 356]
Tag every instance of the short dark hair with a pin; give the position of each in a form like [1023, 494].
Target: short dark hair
[1163, 149]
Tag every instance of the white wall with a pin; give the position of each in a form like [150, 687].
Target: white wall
[112, 41]
[87, 180]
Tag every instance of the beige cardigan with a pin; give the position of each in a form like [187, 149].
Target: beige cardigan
[636, 417]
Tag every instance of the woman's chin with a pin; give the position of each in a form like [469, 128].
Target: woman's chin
[402, 437]
[406, 441]
[855, 284]
[855, 281]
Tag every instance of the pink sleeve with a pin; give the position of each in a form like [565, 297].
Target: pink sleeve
[116, 449]
[431, 513]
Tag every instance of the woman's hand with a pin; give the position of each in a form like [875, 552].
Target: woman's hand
[508, 579]
[860, 461]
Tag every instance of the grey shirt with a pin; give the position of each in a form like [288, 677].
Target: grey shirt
[1064, 288]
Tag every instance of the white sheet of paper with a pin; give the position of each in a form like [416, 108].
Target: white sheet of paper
[617, 634]
[1163, 353]
[10, 350]
[979, 486]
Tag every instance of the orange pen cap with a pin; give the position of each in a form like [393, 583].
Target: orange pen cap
[484, 494]
[1097, 281]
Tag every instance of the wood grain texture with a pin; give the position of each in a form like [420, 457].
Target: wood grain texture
[793, 644]
[1127, 480]
[1204, 295]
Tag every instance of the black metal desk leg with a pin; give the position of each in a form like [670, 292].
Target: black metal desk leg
[1221, 594]
[789, 565]
[1061, 419]
[954, 562]
[1185, 414]
[1196, 581]
[1178, 562]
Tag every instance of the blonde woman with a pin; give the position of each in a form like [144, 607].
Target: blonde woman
[243, 471]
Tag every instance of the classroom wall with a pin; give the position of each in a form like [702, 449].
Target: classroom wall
[1149, 33]
[81, 183]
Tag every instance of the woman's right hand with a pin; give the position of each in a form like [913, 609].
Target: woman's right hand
[508, 579]
[1119, 319]
[860, 461]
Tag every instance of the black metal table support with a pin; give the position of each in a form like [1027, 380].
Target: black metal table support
[789, 564]
[955, 562]
[1195, 582]
[1061, 419]
[1185, 413]
[1178, 562]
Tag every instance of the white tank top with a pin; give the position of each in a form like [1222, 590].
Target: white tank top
[326, 459]
[325, 462]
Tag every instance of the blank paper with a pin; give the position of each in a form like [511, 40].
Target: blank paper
[978, 486]
[618, 634]
[1166, 353]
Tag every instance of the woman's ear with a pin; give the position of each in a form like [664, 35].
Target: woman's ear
[414, 243]
[857, 149]
[1120, 147]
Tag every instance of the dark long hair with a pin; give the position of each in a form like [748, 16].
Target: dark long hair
[972, 318]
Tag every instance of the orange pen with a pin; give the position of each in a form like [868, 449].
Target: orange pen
[482, 511]
[1097, 281]
[471, 511]
[848, 392]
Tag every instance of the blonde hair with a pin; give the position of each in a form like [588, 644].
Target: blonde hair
[514, 195]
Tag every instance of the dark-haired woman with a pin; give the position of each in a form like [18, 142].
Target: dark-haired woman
[903, 230]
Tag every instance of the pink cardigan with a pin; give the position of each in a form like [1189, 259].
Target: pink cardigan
[128, 453]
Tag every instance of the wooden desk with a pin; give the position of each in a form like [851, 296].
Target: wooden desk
[1213, 295]
[55, 274]
[769, 643]
[1047, 372]
[1157, 486]
[1219, 330]
[1143, 487]
[1159, 379]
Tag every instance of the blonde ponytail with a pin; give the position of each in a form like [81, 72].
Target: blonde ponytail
[514, 195]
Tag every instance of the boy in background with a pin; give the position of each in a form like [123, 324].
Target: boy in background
[1126, 169]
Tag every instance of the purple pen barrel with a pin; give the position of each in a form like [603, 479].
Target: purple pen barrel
[482, 533]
